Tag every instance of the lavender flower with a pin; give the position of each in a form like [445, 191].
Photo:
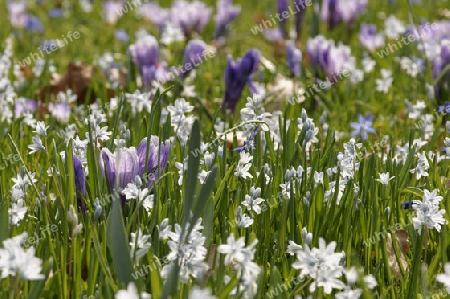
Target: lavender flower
[17, 13]
[190, 16]
[22, 106]
[226, 13]
[193, 54]
[80, 184]
[293, 59]
[363, 127]
[369, 38]
[238, 74]
[112, 11]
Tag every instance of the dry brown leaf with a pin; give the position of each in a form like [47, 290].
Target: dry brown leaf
[402, 239]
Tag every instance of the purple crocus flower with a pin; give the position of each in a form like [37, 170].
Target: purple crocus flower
[145, 53]
[193, 55]
[238, 74]
[127, 163]
[80, 184]
[112, 11]
[283, 6]
[334, 12]
[155, 148]
[34, 24]
[124, 165]
[293, 59]
[155, 14]
[226, 13]
[17, 13]
[190, 16]
[363, 127]
[317, 48]
[369, 38]
[300, 6]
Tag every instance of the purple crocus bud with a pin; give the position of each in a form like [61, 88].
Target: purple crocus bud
[155, 14]
[226, 13]
[80, 184]
[283, 6]
[145, 53]
[155, 151]
[300, 7]
[17, 13]
[112, 11]
[369, 38]
[317, 49]
[437, 69]
[293, 59]
[329, 13]
[190, 16]
[334, 60]
[123, 163]
[193, 55]
[238, 74]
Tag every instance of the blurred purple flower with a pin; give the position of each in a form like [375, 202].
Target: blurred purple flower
[121, 35]
[145, 53]
[112, 11]
[17, 13]
[193, 54]
[237, 74]
[55, 13]
[300, 6]
[334, 12]
[407, 204]
[23, 105]
[324, 55]
[155, 14]
[61, 111]
[363, 127]
[190, 16]
[80, 184]
[293, 59]
[34, 24]
[226, 13]
[273, 34]
[369, 38]
[283, 6]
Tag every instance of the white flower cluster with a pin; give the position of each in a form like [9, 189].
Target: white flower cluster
[241, 258]
[190, 252]
[428, 213]
[15, 260]
[181, 123]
